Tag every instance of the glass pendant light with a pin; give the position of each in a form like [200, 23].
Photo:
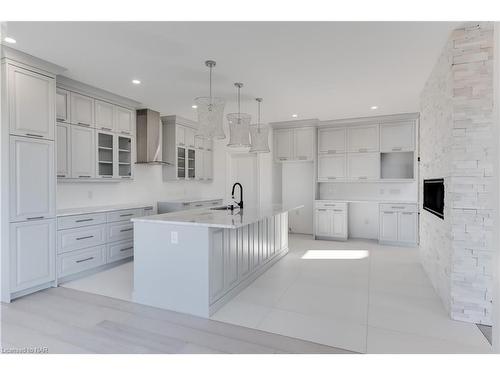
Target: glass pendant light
[239, 132]
[259, 134]
[210, 112]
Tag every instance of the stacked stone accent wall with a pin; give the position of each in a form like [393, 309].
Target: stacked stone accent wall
[456, 143]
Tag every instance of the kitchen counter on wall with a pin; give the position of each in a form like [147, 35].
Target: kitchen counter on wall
[98, 209]
[367, 201]
[207, 217]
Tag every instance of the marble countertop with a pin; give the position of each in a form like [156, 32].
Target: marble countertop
[217, 218]
[395, 201]
[97, 209]
[189, 200]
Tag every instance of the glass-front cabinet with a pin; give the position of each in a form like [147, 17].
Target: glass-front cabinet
[181, 162]
[105, 154]
[124, 156]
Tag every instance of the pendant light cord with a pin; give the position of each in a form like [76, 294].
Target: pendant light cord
[210, 85]
[239, 114]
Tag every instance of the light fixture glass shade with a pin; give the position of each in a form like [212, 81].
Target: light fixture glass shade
[239, 129]
[259, 136]
[210, 117]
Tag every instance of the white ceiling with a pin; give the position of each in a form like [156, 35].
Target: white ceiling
[325, 70]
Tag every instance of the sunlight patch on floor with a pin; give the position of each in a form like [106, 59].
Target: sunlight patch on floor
[336, 254]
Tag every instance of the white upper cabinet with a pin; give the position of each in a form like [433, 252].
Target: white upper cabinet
[31, 103]
[32, 255]
[363, 138]
[398, 136]
[180, 135]
[82, 110]
[62, 105]
[189, 137]
[304, 144]
[32, 179]
[363, 166]
[82, 152]
[124, 120]
[331, 167]
[294, 144]
[331, 140]
[104, 114]
[283, 144]
[208, 166]
[63, 147]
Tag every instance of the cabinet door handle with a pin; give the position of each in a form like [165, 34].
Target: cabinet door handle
[61, 175]
[83, 220]
[84, 238]
[321, 209]
[35, 218]
[396, 149]
[126, 177]
[109, 129]
[302, 157]
[84, 260]
[407, 213]
[126, 230]
[148, 208]
[362, 150]
[198, 205]
[338, 210]
[330, 205]
[61, 119]
[127, 248]
[83, 124]
[332, 151]
[124, 215]
[363, 178]
[332, 178]
[83, 176]
[388, 212]
[397, 207]
[34, 135]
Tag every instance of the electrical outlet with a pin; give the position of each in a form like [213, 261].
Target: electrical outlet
[174, 238]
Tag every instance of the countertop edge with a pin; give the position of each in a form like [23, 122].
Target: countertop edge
[100, 209]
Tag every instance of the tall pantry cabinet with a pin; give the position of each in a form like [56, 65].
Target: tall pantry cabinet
[28, 174]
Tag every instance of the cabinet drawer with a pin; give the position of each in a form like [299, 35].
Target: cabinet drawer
[120, 250]
[332, 205]
[77, 221]
[81, 260]
[79, 238]
[398, 207]
[124, 215]
[120, 231]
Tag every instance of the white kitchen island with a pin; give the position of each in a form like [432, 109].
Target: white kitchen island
[195, 261]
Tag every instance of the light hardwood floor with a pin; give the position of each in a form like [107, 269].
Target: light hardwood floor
[70, 321]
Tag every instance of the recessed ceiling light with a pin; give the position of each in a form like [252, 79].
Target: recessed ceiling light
[194, 106]
[9, 40]
[295, 115]
[136, 82]
[374, 107]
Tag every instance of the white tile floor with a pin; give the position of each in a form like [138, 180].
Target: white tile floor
[383, 303]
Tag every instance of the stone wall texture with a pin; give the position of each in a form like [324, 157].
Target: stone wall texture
[456, 143]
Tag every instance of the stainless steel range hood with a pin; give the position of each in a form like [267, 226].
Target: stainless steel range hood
[149, 137]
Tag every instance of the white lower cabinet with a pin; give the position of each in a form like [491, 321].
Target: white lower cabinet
[81, 260]
[119, 250]
[331, 221]
[90, 240]
[237, 254]
[32, 254]
[398, 224]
